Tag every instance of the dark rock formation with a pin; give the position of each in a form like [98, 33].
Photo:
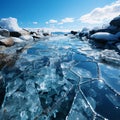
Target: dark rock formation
[115, 22]
[15, 34]
[74, 32]
[33, 33]
[35, 37]
[2, 90]
[46, 34]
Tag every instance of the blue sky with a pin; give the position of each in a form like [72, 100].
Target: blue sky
[50, 13]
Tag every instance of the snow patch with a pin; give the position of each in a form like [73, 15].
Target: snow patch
[110, 56]
[26, 37]
[17, 40]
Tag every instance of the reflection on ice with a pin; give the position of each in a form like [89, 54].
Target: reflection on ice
[86, 69]
[80, 109]
[103, 97]
[111, 76]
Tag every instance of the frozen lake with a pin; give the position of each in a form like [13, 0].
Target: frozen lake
[61, 79]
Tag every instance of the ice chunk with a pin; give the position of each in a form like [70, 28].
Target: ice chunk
[110, 56]
[23, 115]
[114, 99]
[111, 76]
[80, 109]
[71, 77]
[77, 57]
[103, 97]
[86, 69]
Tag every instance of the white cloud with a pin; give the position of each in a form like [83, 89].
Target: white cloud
[10, 24]
[67, 20]
[52, 21]
[102, 15]
[35, 23]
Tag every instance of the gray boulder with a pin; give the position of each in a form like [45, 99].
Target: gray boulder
[7, 42]
[4, 32]
[15, 34]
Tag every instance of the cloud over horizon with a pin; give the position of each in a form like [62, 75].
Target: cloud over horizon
[102, 15]
[35, 23]
[67, 20]
[52, 21]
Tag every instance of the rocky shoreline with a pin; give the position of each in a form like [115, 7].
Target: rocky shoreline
[107, 39]
[13, 43]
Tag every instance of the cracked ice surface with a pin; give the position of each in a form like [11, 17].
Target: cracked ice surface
[56, 80]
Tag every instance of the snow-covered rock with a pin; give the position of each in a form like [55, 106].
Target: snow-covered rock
[110, 56]
[103, 36]
[118, 46]
[4, 32]
[24, 32]
[26, 37]
[118, 35]
[84, 32]
[17, 40]
[115, 21]
[10, 24]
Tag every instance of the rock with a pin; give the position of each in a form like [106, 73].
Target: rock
[33, 33]
[118, 46]
[36, 37]
[4, 32]
[7, 42]
[46, 34]
[2, 60]
[15, 34]
[104, 37]
[118, 35]
[74, 32]
[112, 29]
[110, 56]
[84, 32]
[115, 21]
[2, 90]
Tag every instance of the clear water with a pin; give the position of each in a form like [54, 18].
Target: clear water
[61, 79]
